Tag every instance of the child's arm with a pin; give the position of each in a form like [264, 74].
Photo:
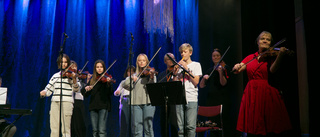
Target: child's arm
[75, 85]
[126, 83]
[195, 80]
[197, 73]
[120, 87]
[118, 90]
[84, 92]
[49, 89]
[79, 87]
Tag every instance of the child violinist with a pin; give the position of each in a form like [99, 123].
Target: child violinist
[142, 110]
[78, 126]
[191, 89]
[69, 85]
[124, 104]
[100, 100]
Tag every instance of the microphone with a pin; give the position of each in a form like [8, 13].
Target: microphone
[65, 34]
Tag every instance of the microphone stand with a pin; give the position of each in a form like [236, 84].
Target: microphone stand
[130, 60]
[65, 36]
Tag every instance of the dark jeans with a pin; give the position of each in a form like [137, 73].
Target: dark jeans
[99, 122]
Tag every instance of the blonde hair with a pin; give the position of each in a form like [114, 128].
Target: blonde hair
[264, 33]
[137, 65]
[185, 46]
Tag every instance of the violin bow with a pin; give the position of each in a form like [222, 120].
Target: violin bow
[83, 67]
[67, 69]
[275, 45]
[139, 75]
[104, 73]
[218, 64]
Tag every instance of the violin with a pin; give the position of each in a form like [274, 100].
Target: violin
[170, 69]
[222, 64]
[273, 53]
[105, 77]
[68, 72]
[149, 70]
[83, 75]
[173, 67]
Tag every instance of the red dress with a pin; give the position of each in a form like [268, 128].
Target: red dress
[262, 109]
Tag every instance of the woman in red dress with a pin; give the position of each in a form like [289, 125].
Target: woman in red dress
[262, 110]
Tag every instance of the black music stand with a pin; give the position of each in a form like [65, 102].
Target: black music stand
[166, 93]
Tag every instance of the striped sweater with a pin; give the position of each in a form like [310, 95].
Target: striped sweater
[53, 88]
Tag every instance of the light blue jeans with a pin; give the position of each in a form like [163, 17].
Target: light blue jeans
[191, 112]
[142, 117]
[99, 122]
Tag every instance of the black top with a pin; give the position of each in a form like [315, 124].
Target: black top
[216, 90]
[100, 96]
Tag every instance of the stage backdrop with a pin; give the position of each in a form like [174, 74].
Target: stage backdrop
[31, 36]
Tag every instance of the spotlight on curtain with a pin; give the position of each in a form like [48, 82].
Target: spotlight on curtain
[158, 17]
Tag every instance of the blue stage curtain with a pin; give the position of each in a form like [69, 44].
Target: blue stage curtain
[31, 36]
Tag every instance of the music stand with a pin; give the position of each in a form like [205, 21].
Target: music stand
[162, 94]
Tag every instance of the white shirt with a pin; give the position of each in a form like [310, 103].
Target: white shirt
[123, 91]
[191, 90]
[78, 95]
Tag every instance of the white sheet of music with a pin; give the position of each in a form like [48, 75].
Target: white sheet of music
[3, 95]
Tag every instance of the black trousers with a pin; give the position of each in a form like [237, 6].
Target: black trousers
[78, 126]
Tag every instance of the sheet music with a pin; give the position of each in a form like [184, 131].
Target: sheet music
[3, 95]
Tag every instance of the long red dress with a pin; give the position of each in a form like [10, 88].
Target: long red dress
[262, 109]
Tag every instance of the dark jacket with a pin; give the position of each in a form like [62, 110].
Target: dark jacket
[100, 96]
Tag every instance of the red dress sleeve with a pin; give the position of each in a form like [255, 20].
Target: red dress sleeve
[249, 57]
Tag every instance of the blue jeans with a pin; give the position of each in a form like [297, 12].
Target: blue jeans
[142, 117]
[191, 112]
[99, 122]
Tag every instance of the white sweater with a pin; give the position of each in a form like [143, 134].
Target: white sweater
[68, 88]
